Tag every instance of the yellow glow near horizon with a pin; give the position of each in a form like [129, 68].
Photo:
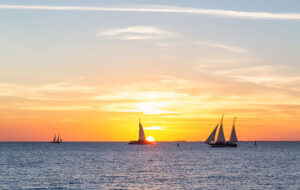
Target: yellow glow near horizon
[150, 139]
[168, 114]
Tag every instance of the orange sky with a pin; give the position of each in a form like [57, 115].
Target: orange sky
[172, 110]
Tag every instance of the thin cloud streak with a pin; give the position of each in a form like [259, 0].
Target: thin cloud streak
[137, 33]
[223, 47]
[164, 9]
[154, 128]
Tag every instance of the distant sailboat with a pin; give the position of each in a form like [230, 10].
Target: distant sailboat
[56, 139]
[220, 140]
[142, 138]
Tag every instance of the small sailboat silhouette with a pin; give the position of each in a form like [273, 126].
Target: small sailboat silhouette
[142, 138]
[220, 140]
[56, 139]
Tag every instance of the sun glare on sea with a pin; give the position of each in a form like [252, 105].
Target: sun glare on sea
[150, 139]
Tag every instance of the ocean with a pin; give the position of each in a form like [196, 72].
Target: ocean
[192, 165]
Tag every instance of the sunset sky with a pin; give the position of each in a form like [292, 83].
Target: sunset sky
[89, 69]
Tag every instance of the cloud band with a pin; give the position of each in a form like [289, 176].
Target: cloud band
[165, 9]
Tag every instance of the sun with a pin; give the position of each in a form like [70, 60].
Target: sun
[150, 139]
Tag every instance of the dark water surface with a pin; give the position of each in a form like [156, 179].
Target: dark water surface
[269, 165]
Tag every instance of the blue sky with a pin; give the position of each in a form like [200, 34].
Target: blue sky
[45, 29]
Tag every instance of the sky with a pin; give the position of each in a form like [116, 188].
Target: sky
[89, 69]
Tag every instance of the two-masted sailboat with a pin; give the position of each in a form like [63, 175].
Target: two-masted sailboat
[56, 139]
[220, 140]
[142, 138]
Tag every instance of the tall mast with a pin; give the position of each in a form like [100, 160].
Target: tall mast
[222, 120]
[141, 132]
[234, 121]
[233, 137]
[221, 137]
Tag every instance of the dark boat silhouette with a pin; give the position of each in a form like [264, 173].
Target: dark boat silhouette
[56, 140]
[142, 138]
[220, 140]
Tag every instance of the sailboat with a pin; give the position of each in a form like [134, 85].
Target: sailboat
[142, 138]
[56, 139]
[220, 140]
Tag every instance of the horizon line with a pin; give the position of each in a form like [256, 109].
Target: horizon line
[183, 141]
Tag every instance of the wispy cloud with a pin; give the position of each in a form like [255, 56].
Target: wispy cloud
[223, 46]
[56, 108]
[138, 33]
[140, 96]
[154, 128]
[148, 108]
[270, 75]
[164, 9]
[53, 91]
[64, 87]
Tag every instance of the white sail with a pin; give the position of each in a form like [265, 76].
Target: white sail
[141, 133]
[233, 137]
[212, 135]
[221, 137]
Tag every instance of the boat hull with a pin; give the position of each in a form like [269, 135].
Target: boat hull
[225, 144]
[140, 143]
[55, 142]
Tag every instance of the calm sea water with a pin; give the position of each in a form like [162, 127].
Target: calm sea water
[269, 165]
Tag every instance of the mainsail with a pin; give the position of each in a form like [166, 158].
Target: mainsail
[54, 139]
[141, 132]
[212, 135]
[233, 137]
[221, 137]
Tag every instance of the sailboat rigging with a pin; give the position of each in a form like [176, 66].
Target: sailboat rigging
[233, 138]
[220, 140]
[56, 139]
